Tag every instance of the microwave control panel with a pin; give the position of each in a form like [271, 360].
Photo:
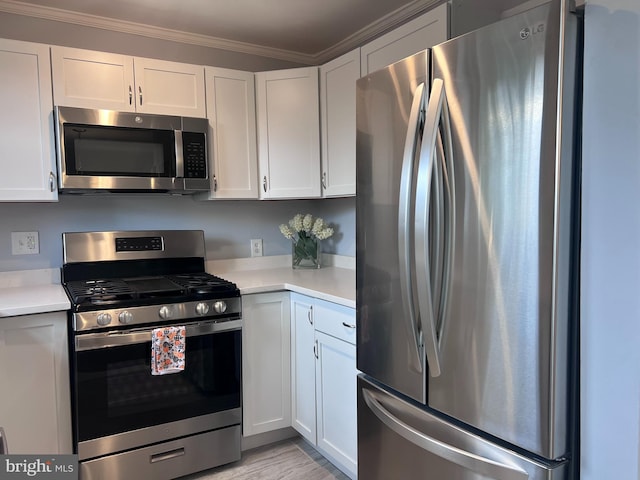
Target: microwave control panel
[195, 155]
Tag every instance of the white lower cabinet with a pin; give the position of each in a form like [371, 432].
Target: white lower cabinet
[323, 376]
[266, 362]
[35, 408]
[303, 397]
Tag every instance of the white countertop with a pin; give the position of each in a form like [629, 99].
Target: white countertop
[31, 291]
[334, 284]
[39, 291]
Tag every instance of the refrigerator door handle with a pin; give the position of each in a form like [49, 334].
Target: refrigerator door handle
[414, 331]
[472, 462]
[429, 169]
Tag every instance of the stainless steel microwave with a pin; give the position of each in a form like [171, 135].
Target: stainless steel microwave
[107, 151]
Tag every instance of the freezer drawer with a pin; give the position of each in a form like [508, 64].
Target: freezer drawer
[399, 440]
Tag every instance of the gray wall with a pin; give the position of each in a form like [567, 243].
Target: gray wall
[228, 225]
[610, 297]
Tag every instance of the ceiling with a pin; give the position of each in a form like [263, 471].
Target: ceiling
[299, 30]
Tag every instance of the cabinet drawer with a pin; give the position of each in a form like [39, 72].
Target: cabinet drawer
[335, 320]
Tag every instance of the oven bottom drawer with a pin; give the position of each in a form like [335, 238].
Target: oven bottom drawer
[168, 460]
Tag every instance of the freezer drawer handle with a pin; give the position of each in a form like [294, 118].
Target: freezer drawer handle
[475, 463]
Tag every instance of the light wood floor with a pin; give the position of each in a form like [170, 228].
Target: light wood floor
[292, 459]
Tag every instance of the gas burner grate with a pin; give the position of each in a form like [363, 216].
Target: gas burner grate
[99, 291]
[202, 283]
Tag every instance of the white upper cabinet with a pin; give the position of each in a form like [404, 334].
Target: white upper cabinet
[88, 79]
[420, 33]
[232, 135]
[27, 149]
[169, 88]
[288, 133]
[338, 124]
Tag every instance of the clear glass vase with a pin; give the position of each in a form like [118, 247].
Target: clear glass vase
[306, 253]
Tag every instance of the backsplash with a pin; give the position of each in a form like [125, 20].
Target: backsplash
[228, 225]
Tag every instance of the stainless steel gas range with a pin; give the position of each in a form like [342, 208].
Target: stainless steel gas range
[131, 421]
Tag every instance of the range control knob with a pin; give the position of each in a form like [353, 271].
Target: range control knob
[103, 319]
[165, 312]
[125, 317]
[202, 308]
[220, 306]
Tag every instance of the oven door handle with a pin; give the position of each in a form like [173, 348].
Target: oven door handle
[118, 338]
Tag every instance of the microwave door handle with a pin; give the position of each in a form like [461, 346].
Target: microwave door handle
[474, 463]
[179, 154]
[404, 230]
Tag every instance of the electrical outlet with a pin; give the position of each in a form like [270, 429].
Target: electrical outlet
[24, 243]
[256, 247]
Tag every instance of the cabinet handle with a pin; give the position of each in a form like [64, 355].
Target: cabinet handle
[315, 349]
[52, 182]
[140, 91]
[130, 95]
[347, 325]
[309, 312]
[215, 183]
[324, 180]
[264, 183]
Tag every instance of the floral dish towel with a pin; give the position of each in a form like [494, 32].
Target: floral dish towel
[167, 350]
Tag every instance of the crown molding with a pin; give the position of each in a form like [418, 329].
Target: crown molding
[371, 31]
[133, 28]
[375, 29]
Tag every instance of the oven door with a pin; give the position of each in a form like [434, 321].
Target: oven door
[119, 404]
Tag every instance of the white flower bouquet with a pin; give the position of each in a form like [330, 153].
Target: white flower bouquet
[305, 231]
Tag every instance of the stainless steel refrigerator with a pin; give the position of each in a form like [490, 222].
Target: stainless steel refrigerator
[467, 244]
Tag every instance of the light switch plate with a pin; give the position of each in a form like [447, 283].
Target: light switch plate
[256, 247]
[25, 243]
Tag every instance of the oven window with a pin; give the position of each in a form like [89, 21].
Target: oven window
[115, 391]
[117, 151]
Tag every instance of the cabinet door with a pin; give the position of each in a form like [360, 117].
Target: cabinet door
[27, 149]
[88, 79]
[266, 361]
[336, 401]
[288, 133]
[169, 88]
[303, 368]
[338, 124]
[35, 408]
[419, 34]
[231, 109]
